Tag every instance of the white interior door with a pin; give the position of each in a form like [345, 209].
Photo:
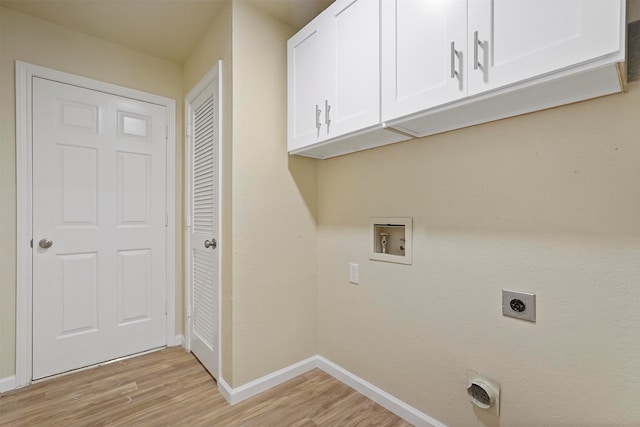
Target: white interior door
[99, 190]
[203, 111]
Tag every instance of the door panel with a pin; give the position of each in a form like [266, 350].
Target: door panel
[134, 286]
[78, 281]
[99, 194]
[134, 189]
[203, 208]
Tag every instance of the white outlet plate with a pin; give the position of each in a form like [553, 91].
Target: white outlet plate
[513, 301]
[354, 274]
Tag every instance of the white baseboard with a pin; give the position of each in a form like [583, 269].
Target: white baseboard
[225, 390]
[384, 399]
[173, 341]
[381, 397]
[250, 389]
[7, 384]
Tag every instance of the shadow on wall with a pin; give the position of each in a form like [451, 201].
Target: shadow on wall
[564, 170]
[633, 53]
[485, 418]
[304, 171]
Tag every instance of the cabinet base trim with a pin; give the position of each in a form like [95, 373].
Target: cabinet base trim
[372, 137]
[514, 101]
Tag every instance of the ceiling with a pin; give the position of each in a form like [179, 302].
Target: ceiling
[167, 29]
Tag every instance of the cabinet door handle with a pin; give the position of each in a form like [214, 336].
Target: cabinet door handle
[477, 44]
[454, 53]
[318, 112]
[475, 50]
[327, 108]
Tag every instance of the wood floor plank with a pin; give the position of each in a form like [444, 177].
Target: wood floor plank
[170, 388]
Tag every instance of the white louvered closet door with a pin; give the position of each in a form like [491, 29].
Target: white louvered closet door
[204, 140]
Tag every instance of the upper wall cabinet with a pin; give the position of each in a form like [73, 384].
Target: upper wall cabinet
[436, 52]
[333, 77]
[367, 73]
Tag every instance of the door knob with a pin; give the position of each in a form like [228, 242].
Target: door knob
[210, 244]
[45, 243]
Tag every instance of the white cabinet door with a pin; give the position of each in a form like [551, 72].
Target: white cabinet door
[306, 67]
[334, 73]
[353, 59]
[423, 54]
[518, 40]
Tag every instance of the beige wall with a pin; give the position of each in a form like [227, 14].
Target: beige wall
[268, 223]
[547, 203]
[34, 41]
[216, 45]
[274, 206]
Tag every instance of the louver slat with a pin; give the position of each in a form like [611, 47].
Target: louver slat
[204, 308]
[203, 169]
[203, 199]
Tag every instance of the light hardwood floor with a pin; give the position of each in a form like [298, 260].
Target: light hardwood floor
[171, 388]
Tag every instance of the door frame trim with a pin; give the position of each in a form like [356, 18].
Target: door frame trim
[25, 73]
[207, 80]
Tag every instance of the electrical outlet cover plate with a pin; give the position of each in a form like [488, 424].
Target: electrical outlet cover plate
[521, 305]
[354, 273]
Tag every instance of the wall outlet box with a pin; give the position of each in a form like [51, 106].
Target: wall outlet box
[391, 239]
